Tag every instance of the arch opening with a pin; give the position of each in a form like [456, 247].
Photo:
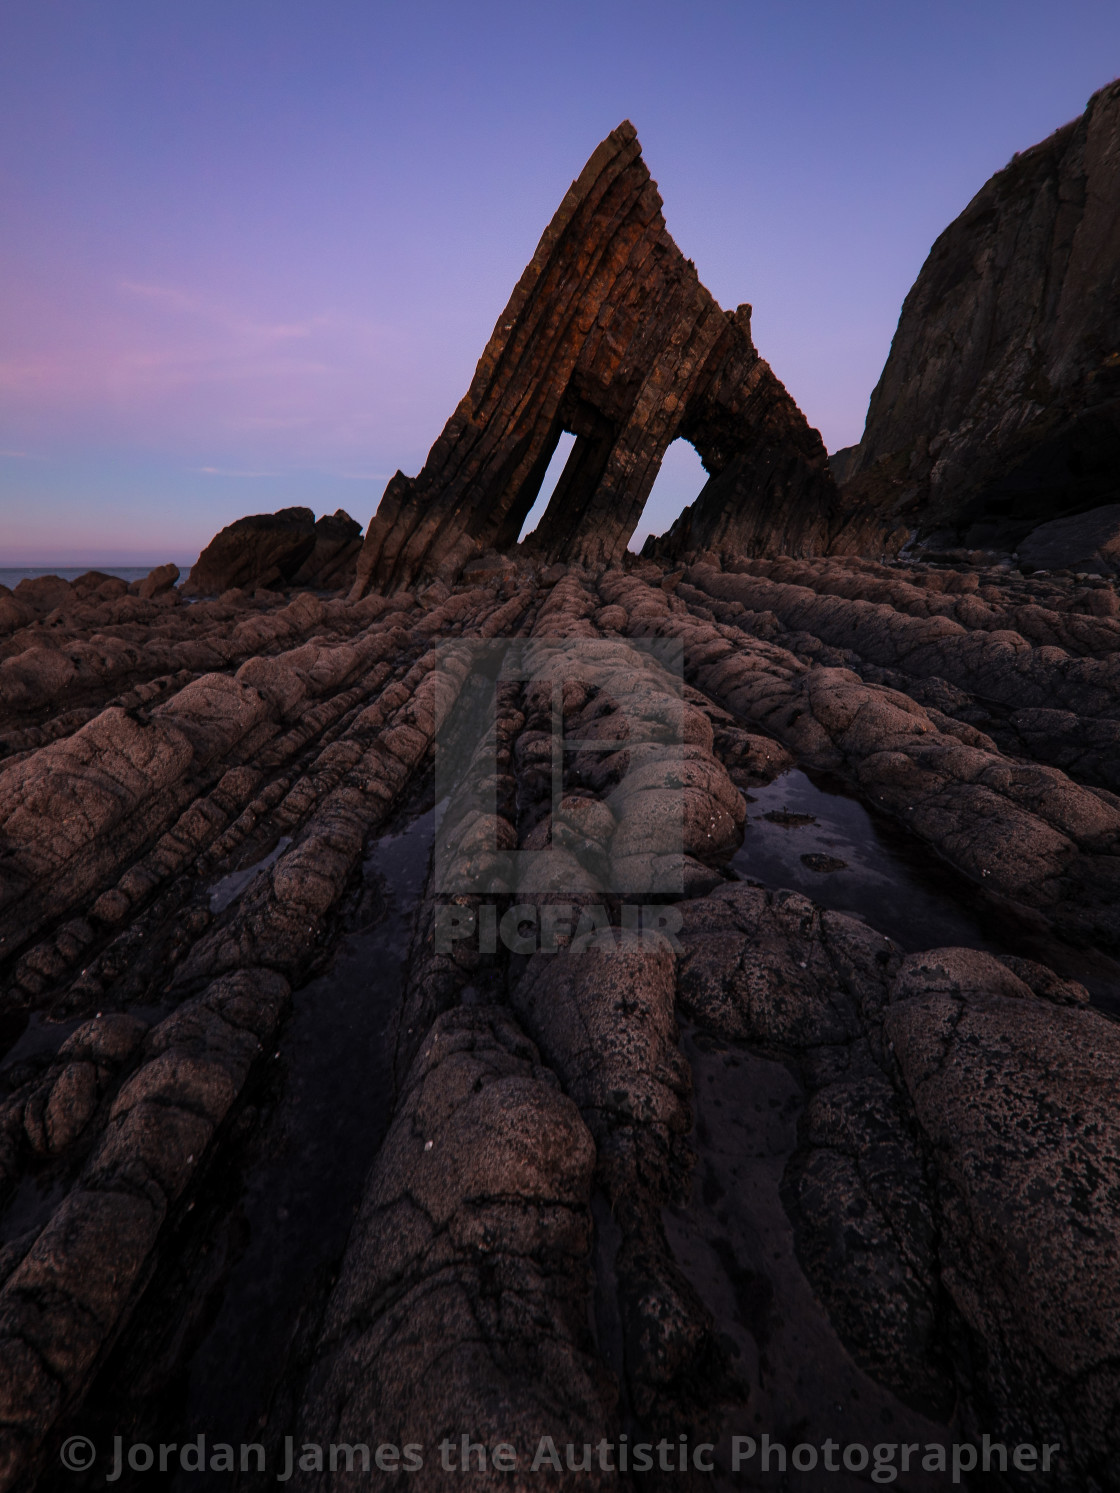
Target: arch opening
[594, 436]
[679, 482]
[553, 472]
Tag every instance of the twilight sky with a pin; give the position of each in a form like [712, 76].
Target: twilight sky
[252, 249]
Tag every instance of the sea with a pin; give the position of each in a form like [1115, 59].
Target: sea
[11, 575]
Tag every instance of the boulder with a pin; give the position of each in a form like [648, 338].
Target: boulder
[156, 582]
[262, 550]
[1088, 541]
[333, 561]
[487, 567]
[13, 613]
[44, 592]
[96, 585]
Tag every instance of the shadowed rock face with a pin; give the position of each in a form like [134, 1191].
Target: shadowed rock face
[1086, 541]
[275, 550]
[609, 335]
[999, 406]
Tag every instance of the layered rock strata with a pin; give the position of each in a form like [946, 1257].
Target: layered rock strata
[1025, 832]
[463, 1299]
[609, 335]
[1034, 668]
[915, 1074]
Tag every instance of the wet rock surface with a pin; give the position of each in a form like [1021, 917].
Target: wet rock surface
[462, 1299]
[1089, 541]
[674, 1152]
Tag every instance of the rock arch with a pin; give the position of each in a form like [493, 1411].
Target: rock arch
[609, 334]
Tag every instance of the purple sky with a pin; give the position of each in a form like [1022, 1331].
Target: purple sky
[252, 249]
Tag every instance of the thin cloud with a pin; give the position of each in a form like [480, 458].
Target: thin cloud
[270, 422]
[232, 472]
[157, 362]
[167, 294]
[191, 304]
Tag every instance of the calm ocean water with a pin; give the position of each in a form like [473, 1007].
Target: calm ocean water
[11, 575]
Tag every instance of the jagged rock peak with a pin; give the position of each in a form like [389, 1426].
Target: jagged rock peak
[999, 405]
[610, 335]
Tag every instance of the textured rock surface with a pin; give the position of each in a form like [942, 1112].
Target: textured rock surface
[332, 564]
[727, 1161]
[1025, 832]
[1015, 1101]
[999, 406]
[463, 1295]
[958, 1140]
[156, 583]
[610, 335]
[604, 1020]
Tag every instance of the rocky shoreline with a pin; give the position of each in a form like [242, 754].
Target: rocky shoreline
[565, 1254]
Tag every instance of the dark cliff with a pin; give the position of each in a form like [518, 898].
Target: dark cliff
[999, 405]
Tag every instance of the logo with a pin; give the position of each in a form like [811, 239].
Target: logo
[560, 769]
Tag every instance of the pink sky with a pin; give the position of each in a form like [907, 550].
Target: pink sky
[252, 252]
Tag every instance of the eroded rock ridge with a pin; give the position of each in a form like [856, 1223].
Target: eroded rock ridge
[768, 1168]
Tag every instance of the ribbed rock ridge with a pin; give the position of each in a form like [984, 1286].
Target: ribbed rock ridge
[610, 335]
[280, 1160]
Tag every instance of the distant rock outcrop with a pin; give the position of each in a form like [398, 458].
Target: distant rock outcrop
[999, 406]
[42, 592]
[271, 551]
[96, 584]
[156, 582]
[609, 335]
